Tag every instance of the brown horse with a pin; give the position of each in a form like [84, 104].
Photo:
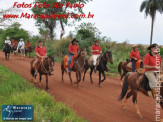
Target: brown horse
[134, 82]
[101, 67]
[29, 50]
[78, 67]
[124, 66]
[46, 67]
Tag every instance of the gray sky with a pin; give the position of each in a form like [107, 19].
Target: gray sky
[117, 19]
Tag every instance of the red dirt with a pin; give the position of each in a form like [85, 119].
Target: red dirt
[89, 101]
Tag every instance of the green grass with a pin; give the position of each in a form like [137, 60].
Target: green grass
[17, 91]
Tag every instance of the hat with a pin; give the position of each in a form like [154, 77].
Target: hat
[134, 46]
[75, 40]
[7, 38]
[96, 40]
[151, 46]
[40, 41]
[21, 39]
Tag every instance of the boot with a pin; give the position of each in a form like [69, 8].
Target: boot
[152, 93]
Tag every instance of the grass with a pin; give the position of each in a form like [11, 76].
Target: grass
[17, 91]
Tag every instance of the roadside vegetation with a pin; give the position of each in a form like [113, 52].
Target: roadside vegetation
[15, 90]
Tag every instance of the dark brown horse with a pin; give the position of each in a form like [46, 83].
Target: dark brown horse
[46, 67]
[134, 82]
[7, 51]
[29, 50]
[78, 67]
[101, 67]
[124, 66]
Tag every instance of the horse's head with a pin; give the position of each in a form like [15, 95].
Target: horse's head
[108, 56]
[83, 52]
[51, 61]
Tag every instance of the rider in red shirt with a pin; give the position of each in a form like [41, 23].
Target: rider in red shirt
[28, 44]
[73, 50]
[41, 53]
[96, 52]
[134, 55]
[152, 64]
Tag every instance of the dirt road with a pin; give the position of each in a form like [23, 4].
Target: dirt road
[89, 101]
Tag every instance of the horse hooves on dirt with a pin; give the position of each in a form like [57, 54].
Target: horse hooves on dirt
[141, 118]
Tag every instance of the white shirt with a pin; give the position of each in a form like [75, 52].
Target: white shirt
[21, 43]
[8, 42]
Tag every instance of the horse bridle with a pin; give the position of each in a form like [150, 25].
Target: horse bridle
[45, 68]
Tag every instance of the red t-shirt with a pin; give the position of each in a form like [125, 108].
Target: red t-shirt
[151, 61]
[96, 47]
[73, 48]
[14, 42]
[134, 54]
[28, 44]
[40, 51]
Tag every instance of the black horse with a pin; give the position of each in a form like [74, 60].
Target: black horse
[7, 50]
[102, 66]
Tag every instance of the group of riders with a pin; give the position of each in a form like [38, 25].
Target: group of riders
[15, 45]
[150, 62]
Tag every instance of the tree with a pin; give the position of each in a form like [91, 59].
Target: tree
[14, 32]
[7, 22]
[49, 23]
[151, 7]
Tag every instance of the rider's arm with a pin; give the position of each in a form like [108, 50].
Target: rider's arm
[150, 67]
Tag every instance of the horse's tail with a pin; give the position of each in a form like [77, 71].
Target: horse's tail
[124, 87]
[62, 66]
[32, 69]
[119, 68]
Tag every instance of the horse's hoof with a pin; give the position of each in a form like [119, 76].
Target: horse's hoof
[124, 108]
[47, 89]
[99, 85]
[39, 84]
[141, 118]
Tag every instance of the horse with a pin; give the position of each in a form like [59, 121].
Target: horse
[46, 67]
[7, 50]
[125, 66]
[101, 66]
[134, 82]
[22, 51]
[78, 66]
[29, 50]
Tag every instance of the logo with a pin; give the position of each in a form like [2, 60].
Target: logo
[17, 112]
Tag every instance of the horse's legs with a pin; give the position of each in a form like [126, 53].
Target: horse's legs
[103, 73]
[125, 101]
[91, 75]
[85, 70]
[40, 79]
[136, 105]
[99, 79]
[77, 79]
[70, 77]
[6, 55]
[47, 82]
[62, 75]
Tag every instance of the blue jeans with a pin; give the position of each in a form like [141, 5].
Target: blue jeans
[133, 64]
[69, 61]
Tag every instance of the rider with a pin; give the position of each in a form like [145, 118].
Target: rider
[41, 54]
[28, 44]
[96, 52]
[7, 41]
[73, 50]
[150, 64]
[134, 55]
[14, 42]
[20, 44]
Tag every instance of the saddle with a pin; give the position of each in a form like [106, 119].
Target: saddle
[129, 66]
[66, 59]
[143, 82]
[90, 60]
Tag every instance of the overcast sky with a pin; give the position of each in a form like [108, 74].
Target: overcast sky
[117, 19]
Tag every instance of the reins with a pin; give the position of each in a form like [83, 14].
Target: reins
[43, 67]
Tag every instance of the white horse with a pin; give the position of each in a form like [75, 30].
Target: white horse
[22, 51]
